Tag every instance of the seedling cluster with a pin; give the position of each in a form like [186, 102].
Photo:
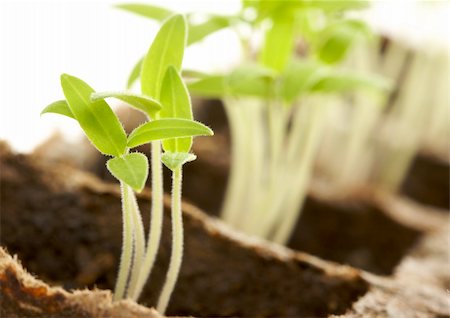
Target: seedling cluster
[277, 101]
[165, 101]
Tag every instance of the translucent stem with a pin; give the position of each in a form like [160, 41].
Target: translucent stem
[177, 243]
[139, 243]
[154, 236]
[302, 172]
[127, 244]
[236, 179]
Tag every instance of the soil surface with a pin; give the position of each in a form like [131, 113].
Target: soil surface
[65, 226]
[428, 181]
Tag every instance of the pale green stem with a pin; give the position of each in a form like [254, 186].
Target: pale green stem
[304, 171]
[127, 244]
[407, 124]
[154, 236]
[236, 178]
[270, 206]
[177, 243]
[139, 243]
[255, 164]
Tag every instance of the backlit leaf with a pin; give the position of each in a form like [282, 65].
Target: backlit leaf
[211, 86]
[177, 104]
[338, 38]
[135, 72]
[161, 129]
[143, 103]
[198, 32]
[167, 49]
[59, 107]
[131, 169]
[98, 121]
[278, 43]
[347, 81]
[145, 10]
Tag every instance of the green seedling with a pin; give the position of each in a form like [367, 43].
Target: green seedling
[277, 102]
[166, 102]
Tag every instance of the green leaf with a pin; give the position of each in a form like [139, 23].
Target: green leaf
[143, 103]
[174, 160]
[250, 80]
[299, 78]
[97, 120]
[135, 72]
[333, 5]
[59, 107]
[211, 86]
[165, 129]
[131, 169]
[338, 38]
[278, 43]
[167, 49]
[336, 82]
[145, 10]
[177, 104]
[198, 32]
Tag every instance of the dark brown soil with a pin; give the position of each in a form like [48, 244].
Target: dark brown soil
[354, 232]
[428, 181]
[66, 228]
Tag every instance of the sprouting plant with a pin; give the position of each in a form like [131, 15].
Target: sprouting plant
[277, 102]
[166, 102]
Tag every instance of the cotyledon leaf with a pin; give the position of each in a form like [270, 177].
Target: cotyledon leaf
[167, 49]
[166, 128]
[177, 104]
[174, 160]
[143, 103]
[131, 169]
[59, 107]
[98, 121]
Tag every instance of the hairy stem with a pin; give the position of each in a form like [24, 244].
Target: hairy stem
[154, 235]
[177, 242]
[127, 244]
[139, 243]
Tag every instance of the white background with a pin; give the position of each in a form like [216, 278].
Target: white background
[39, 40]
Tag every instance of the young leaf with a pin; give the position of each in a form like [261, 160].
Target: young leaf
[165, 129]
[177, 104]
[131, 169]
[338, 38]
[167, 49]
[347, 81]
[59, 107]
[97, 120]
[198, 32]
[210, 86]
[278, 43]
[174, 160]
[135, 72]
[250, 80]
[299, 77]
[143, 103]
[145, 10]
